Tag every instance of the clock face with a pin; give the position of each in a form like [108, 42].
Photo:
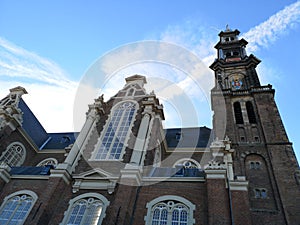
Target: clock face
[236, 83]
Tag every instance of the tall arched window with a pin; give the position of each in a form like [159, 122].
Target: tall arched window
[86, 209]
[16, 207]
[14, 154]
[238, 113]
[116, 133]
[170, 210]
[250, 112]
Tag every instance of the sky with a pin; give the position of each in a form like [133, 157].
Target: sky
[49, 47]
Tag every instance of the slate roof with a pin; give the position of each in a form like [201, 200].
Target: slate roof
[60, 140]
[175, 172]
[32, 126]
[40, 136]
[194, 137]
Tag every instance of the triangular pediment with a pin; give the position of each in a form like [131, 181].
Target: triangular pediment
[94, 173]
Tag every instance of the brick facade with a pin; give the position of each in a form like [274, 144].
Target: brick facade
[240, 172]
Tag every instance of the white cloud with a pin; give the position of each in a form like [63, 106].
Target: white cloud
[50, 93]
[52, 105]
[16, 62]
[269, 31]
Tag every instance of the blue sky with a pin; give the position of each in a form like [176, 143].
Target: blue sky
[47, 46]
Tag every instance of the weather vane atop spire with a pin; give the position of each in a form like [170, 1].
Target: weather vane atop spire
[227, 27]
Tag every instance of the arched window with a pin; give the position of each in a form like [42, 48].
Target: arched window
[112, 141]
[14, 154]
[187, 163]
[238, 113]
[260, 193]
[130, 92]
[47, 162]
[170, 210]
[16, 207]
[250, 112]
[86, 209]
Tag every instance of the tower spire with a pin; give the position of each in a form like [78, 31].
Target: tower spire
[231, 55]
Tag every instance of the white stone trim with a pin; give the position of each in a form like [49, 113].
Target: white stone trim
[86, 195]
[104, 130]
[18, 193]
[172, 179]
[48, 159]
[23, 156]
[215, 174]
[191, 208]
[187, 150]
[187, 159]
[238, 185]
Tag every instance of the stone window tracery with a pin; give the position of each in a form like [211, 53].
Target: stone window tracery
[14, 155]
[113, 140]
[16, 207]
[88, 208]
[170, 210]
[47, 162]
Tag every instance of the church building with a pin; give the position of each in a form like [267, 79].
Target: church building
[125, 168]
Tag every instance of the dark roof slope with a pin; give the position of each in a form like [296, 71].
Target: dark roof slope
[32, 126]
[195, 137]
[39, 135]
[60, 140]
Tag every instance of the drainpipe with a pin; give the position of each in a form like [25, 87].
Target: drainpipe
[135, 204]
[230, 203]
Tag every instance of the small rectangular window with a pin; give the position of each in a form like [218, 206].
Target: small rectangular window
[178, 136]
[243, 139]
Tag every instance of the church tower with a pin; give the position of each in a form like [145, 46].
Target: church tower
[246, 112]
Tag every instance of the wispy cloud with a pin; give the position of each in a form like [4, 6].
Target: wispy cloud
[16, 62]
[50, 90]
[269, 31]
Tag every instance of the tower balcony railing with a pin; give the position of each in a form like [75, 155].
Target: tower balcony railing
[259, 89]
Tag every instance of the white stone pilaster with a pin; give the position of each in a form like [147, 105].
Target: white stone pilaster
[139, 145]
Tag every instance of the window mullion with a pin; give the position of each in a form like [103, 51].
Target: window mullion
[116, 134]
[169, 217]
[14, 212]
[84, 214]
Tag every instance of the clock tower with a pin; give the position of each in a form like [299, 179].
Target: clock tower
[246, 112]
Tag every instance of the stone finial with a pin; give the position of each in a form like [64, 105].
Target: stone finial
[139, 79]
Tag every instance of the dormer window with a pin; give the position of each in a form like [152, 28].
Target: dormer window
[178, 136]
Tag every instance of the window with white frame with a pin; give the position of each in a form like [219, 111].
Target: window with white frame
[117, 130]
[48, 162]
[187, 163]
[14, 155]
[170, 210]
[16, 207]
[86, 209]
